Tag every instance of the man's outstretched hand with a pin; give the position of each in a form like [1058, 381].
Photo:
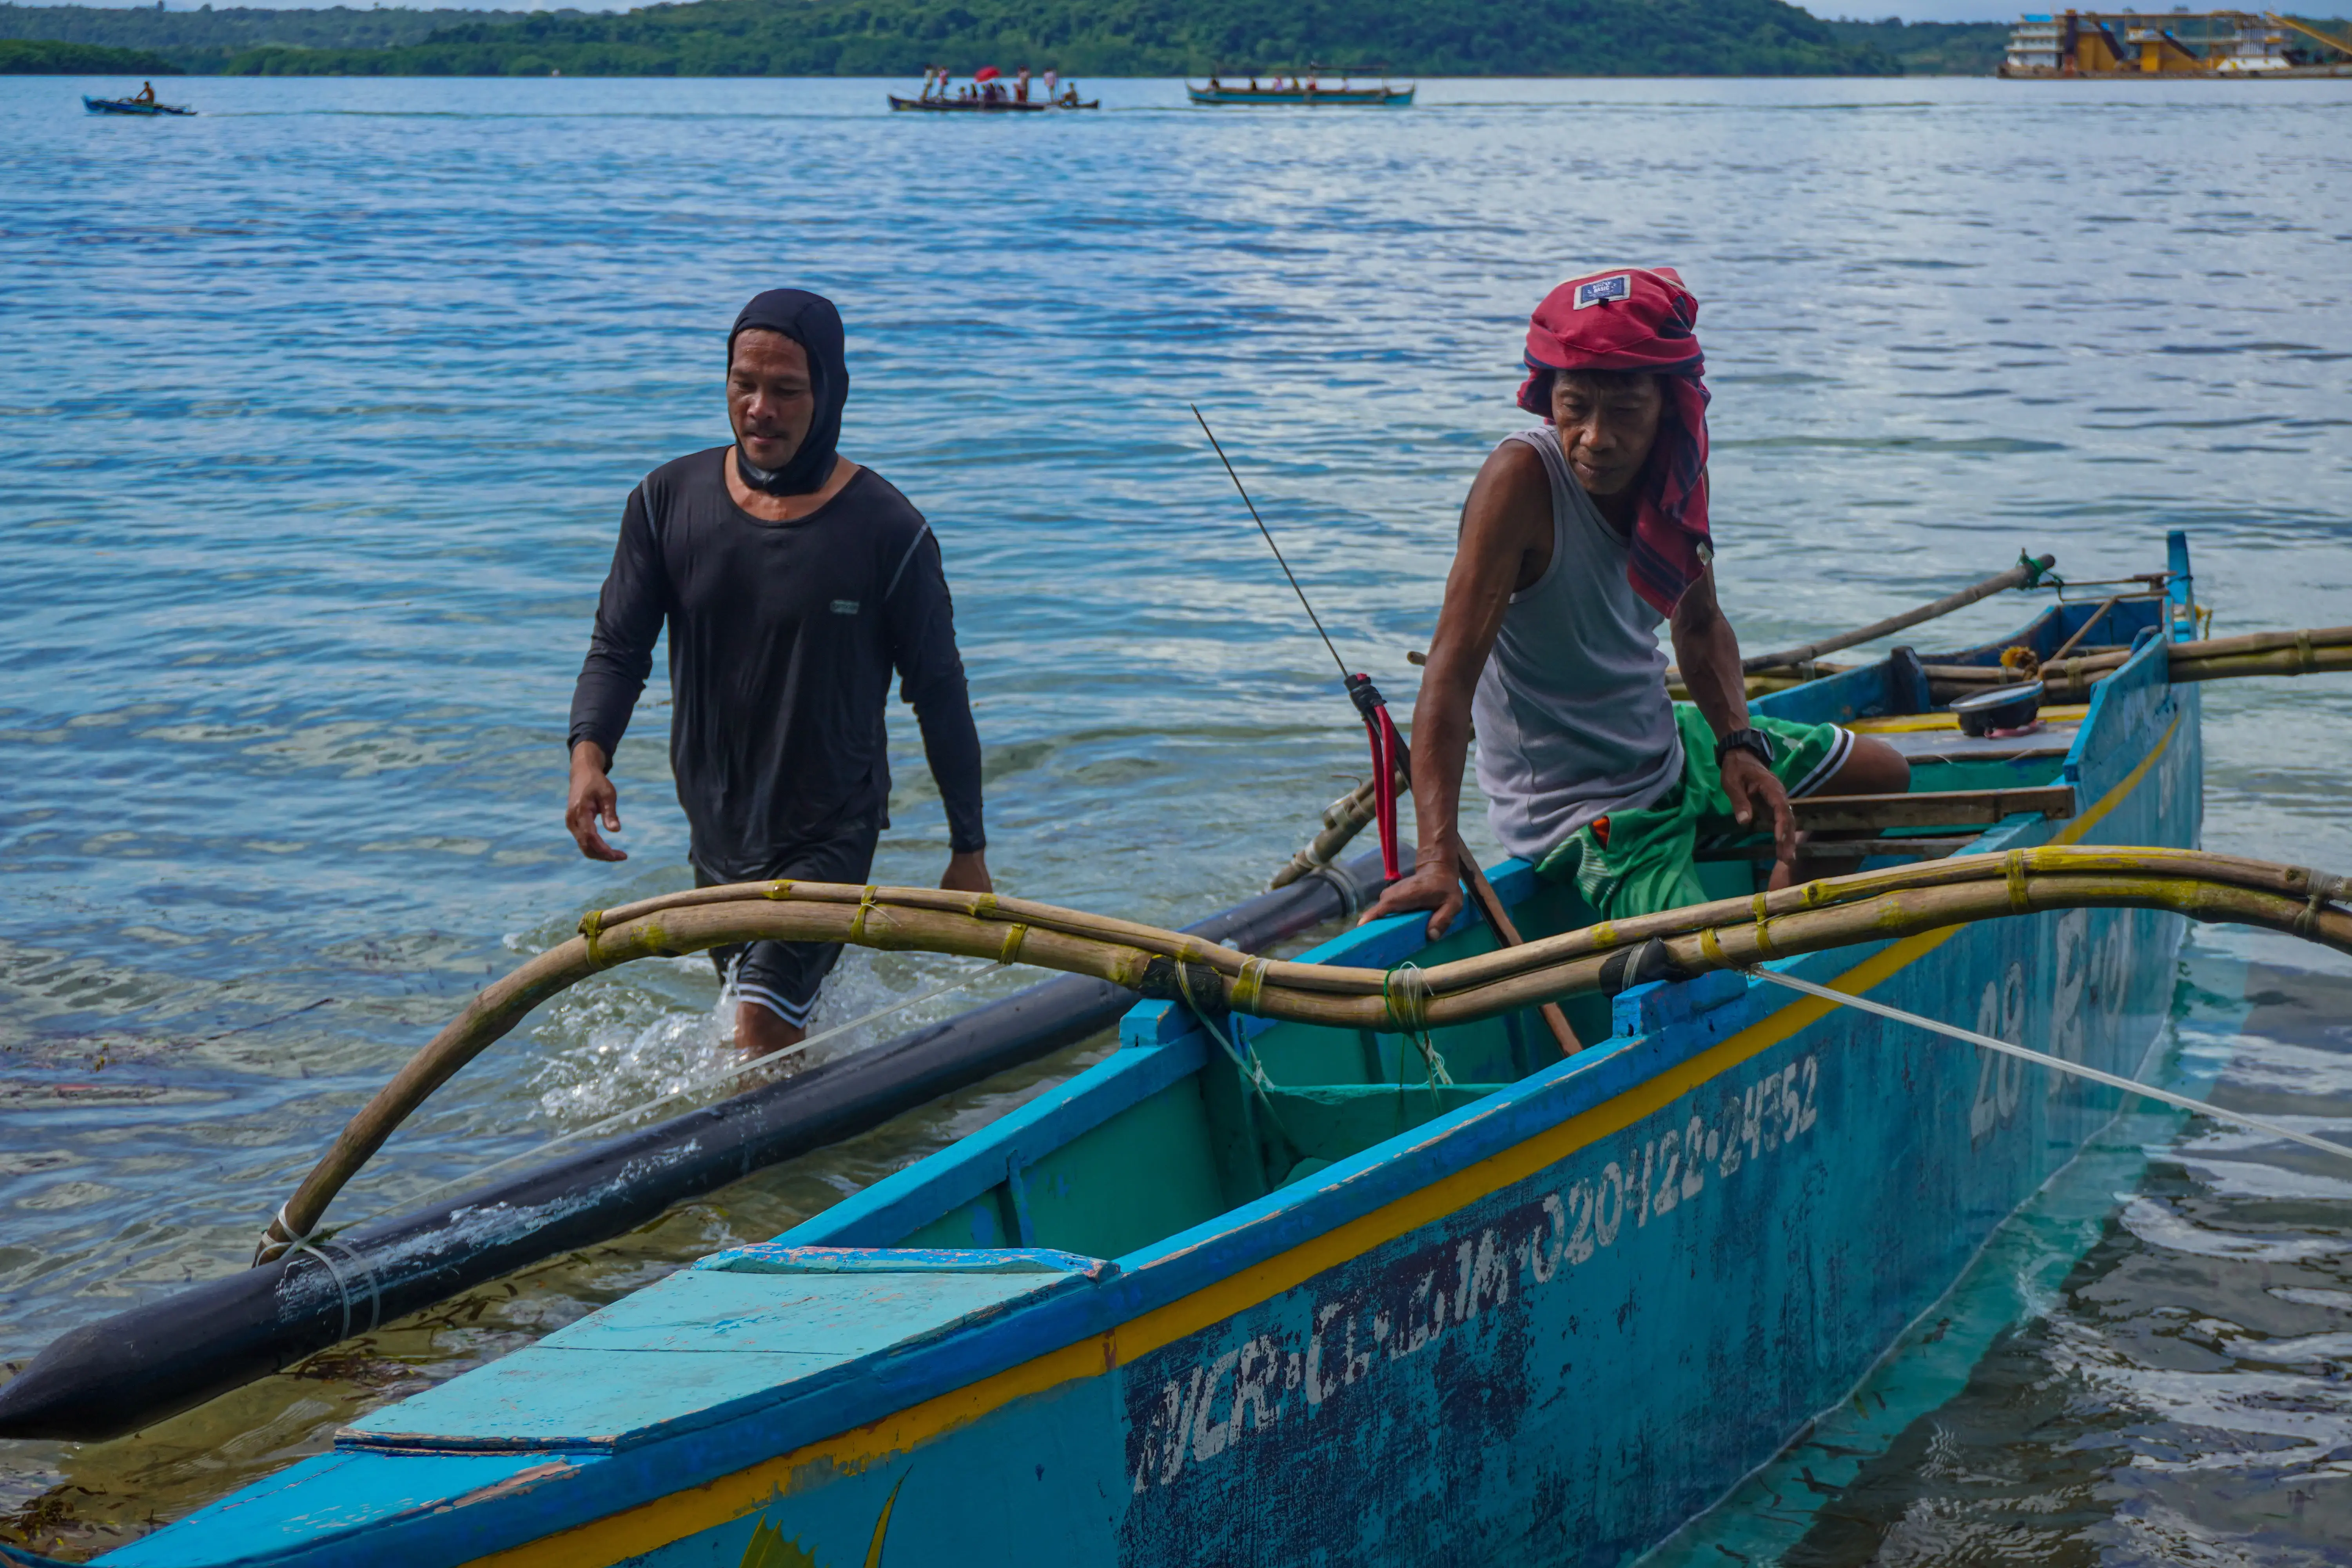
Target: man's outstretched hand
[1430, 885]
[968, 873]
[1752, 788]
[593, 796]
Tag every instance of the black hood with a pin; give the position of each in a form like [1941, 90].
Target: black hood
[810, 321]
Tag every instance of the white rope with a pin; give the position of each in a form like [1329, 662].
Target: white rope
[287, 1226]
[1251, 1067]
[343, 1290]
[2076, 1070]
[694, 1086]
[1409, 974]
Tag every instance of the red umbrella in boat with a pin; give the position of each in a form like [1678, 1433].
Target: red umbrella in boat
[986, 73]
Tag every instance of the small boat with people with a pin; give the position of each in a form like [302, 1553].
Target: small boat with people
[142, 103]
[1313, 87]
[1363, 1256]
[991, 92]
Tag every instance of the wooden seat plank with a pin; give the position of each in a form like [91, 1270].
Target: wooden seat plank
[1930, 808]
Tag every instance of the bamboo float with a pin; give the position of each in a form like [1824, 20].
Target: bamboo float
[1730, 933]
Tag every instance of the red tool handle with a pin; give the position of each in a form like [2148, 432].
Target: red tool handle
[1388, 750]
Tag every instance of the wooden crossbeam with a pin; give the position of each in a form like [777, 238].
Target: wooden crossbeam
[1930, 808]
[1759, 850]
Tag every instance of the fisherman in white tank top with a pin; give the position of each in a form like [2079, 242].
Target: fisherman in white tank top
[1578, 537]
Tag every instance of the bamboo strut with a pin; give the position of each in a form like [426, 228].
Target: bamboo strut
[2323, 650]
[1733, 933]
[2082, 631]
[1347, 817]
[1342, 820]
[2024, 572]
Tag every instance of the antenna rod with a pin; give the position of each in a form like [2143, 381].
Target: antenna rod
[1388, 757]
[1270, 544]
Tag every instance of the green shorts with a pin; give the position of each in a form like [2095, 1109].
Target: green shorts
[1633, 863]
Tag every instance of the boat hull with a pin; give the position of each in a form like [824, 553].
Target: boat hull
[1321, 97]
[130, 106]
[1548, 1314]
[980, 106]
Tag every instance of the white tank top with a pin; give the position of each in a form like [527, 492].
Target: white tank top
[1571, 709]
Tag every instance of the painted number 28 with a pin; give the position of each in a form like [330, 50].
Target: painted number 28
[2001, 1078]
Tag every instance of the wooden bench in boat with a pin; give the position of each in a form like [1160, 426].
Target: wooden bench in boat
[1920, 809]
[1924, 847]
[1931, 808]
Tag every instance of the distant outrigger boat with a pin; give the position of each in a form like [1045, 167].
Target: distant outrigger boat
[982, 106]
[1258, 1292]
[1308, 89]
[988, 93]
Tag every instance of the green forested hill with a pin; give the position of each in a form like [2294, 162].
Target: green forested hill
[206, 39]
[1931, 48]
[20, 56]
[900, 37]
[1114, 37]
[1138, 38]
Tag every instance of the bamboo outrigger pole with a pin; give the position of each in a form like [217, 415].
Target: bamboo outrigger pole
[2317, 650]
[2024, 574]
[1730, 933]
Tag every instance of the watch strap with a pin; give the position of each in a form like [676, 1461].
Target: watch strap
[1755, 742]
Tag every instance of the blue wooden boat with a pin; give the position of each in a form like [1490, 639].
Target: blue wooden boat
[130, 106]
[1334, 1309]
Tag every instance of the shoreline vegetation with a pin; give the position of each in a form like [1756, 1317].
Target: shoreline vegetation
[50, 56]
[1104, 37]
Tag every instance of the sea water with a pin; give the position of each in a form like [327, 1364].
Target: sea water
[317, 414]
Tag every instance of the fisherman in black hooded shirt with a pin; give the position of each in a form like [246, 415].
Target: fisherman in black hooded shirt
[793, 583]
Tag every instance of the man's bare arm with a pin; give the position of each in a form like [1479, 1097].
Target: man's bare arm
[1708, 651]
[1505, 545]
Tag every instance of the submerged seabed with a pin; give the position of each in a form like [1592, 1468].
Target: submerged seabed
[319, 413]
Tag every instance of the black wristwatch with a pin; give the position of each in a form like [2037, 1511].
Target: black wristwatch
[1755, 742]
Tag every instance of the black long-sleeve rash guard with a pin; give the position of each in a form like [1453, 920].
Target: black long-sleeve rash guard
[782, 638]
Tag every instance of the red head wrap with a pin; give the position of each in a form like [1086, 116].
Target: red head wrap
[1639, 319]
